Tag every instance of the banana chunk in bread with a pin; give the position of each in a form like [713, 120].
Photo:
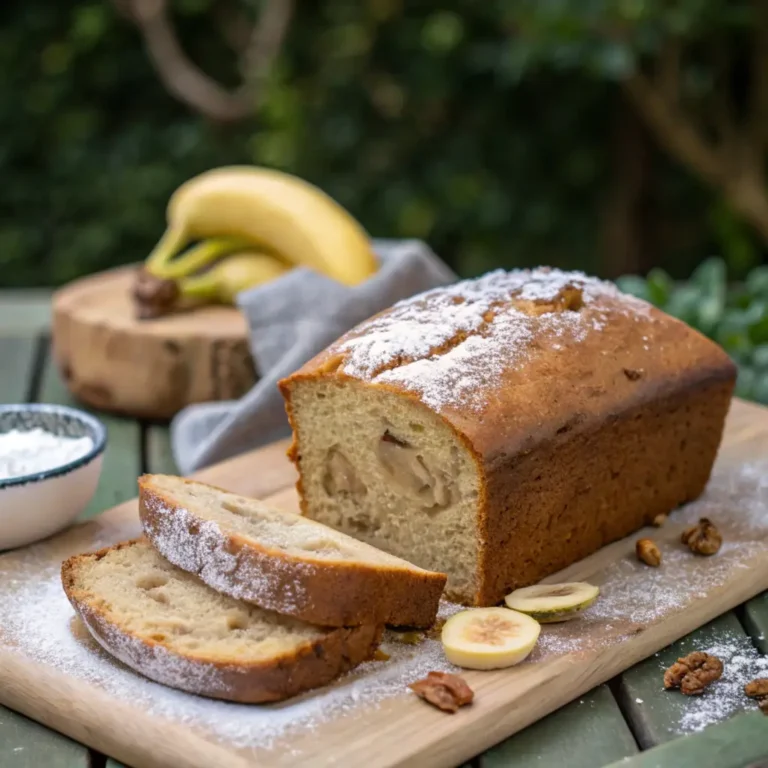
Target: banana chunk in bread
[167, 625]
[503, 428]
[281, 561]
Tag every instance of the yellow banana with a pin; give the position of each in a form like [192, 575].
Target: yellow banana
[273, 211]
[163, 265]
[233, 274]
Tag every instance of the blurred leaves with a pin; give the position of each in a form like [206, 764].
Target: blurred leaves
[425, 120]
[92, 144]
[735, 316]
[407, 117]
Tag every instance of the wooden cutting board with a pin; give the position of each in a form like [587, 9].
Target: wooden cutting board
[52, 672]
[146, 368]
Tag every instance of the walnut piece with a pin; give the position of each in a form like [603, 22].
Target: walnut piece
[444, 691]
[153, 296]
[648, 552]
[659, 520]
[702, 538]
[758, 690]
[693, 673]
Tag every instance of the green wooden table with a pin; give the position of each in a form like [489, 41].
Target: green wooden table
[628, 721]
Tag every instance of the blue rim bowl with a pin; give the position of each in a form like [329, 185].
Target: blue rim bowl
[89, 426]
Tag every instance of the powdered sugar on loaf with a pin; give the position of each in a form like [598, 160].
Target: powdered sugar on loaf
[207, 554]
[450, 345]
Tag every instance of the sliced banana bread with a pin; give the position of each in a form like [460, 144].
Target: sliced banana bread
[170, 627]
[281, 561]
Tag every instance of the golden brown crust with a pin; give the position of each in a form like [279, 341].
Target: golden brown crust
[625, 356]
[578, 492]
[312, 665]
[595, 414]
[334, 593]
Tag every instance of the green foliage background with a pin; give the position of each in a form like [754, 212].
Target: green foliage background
[735, 315]
[424, 122]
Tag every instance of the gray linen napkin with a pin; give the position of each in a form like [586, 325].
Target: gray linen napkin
[291, 319]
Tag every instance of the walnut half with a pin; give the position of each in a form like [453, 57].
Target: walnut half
[693, 673]
[444, 691]
[702, 538]
[758, 690]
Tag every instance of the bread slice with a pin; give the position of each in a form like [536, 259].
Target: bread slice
[281, 561]
[168, 626]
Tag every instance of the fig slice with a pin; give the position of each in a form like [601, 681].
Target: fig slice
[489, 638]
[550, 603]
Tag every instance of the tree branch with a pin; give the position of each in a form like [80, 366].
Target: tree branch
[187, 82]
[233, 25]
[722, 101]
[758, 97]
[264, 46]
[668, 71]
[674, 130]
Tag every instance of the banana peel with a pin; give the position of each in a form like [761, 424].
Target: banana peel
[265, 210]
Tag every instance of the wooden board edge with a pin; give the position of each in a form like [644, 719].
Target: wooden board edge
[57, 702]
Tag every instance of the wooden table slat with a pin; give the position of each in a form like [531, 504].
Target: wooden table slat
[588, 732]
[159, 454]
[737, 743]
[27, 744]
[756, 621]
[17, 360]
[122, 460]
[654, 714]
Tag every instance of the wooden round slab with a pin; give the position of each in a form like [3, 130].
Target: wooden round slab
[146, 368]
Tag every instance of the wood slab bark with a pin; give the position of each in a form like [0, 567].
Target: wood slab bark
[146, 368]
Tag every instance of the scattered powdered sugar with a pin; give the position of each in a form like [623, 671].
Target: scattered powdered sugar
[207, 553]
[446, 343]
[37, 621]
[724, 698]
[634, 596]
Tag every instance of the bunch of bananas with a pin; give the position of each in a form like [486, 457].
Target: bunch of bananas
[233, 228]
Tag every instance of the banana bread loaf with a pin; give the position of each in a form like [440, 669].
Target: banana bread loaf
[503, 428]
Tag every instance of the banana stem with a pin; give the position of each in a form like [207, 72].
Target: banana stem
[199, 256]
[172, 241]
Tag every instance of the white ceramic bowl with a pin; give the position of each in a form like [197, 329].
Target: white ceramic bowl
[38, 505]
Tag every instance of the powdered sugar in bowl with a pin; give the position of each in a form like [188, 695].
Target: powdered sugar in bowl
[50, 462]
